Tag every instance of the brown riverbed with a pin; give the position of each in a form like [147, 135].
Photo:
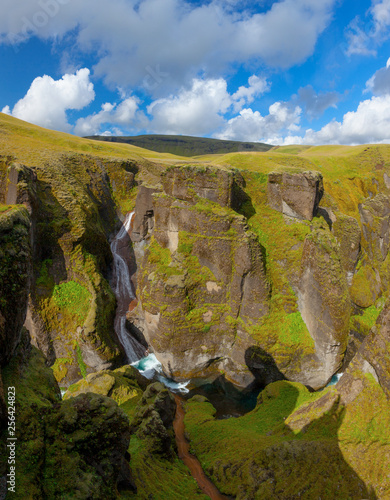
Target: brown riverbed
[183, 448]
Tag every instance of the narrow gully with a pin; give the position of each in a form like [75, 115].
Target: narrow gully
[183, 448]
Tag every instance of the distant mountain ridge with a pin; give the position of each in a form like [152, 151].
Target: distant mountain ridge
[182, 145]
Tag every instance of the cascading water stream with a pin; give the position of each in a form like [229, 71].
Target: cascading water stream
[149, 366]
[124, 291]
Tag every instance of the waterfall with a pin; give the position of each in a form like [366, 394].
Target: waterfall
[148, 366]
[124, 291]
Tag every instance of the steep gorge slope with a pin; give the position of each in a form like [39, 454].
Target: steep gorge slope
[74, 201]
[236, 279]
[315, 281]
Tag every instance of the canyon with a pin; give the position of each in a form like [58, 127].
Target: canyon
[262, 274]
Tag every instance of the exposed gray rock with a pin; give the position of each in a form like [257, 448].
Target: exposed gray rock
[375, 217]
[187, 181]
[348, 234]
[295, 195]
[324, 303]
[143, 222]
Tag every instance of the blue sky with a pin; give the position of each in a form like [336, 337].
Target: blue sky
[285, 72]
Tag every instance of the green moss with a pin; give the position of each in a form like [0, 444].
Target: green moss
[36, 392]
[71, 299]
[4, 208]
[45, 279]
[363, 323]
[364, 286]
[160, 478]
[60, 367]
[158, 254]
[288, 431]
[82, 365]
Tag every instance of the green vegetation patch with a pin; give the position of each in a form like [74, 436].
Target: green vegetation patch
[159, 478]
[80, 361]
[365, 321]
[288, 431]
[72, 299]
[283, 327]
[61, 366]
[45, 278]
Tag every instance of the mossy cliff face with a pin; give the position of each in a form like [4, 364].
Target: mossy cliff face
[15, 266]
[325, 305]
[73, 201]
[203, 282]
[343, 431]
[372, 359]
[205, 182]
[201, 279]
[70, 449]
[121, 385]
[347, 232]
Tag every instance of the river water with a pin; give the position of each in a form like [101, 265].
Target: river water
[183, 451]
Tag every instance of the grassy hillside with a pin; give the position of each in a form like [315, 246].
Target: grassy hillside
[33, 145]
[185, 145]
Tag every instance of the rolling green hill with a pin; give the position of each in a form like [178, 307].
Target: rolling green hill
[185, 145]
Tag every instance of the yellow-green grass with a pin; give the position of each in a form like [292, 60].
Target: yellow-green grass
[156, 476]
[348, 171]
[357, 436]
[32, 145]
[4, 208]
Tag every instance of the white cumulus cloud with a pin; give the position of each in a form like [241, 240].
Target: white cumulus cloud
[163, 44]
[365, 35]
[370, 123]
[47, 100]
[200, 109]
[196, 111]
[315, 104]
[379, 83]
[251, 126]
[117, 115]
[246, 95]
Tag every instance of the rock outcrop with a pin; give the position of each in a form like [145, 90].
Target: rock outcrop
[71, 307]
[325, 306]
[153, 420]
[76, 448]
[95, 434]
[375, 217]
[201, 279]
[188, 182]
[15, 269]
[296, 195]
[372, 358]
[121, 384]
